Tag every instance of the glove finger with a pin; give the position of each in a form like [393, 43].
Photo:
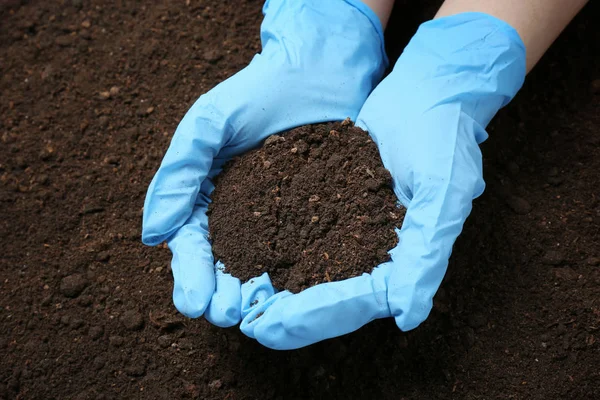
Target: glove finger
[225, 306]
[433, 221]
[174, 189]
[192, 265]
[255, 293]
[321, 312]
[252, 318]
[194, 286]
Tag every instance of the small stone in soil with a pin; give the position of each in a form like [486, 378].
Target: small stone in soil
[212, 56]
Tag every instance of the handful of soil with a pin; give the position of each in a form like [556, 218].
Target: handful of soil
[311, 206]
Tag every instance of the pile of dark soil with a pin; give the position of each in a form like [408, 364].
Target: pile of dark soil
[92, 91]
[311, 206]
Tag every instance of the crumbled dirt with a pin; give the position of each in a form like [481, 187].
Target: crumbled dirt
[311, 206]
[510, 321]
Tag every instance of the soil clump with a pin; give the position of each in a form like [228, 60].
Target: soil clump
[310, 206]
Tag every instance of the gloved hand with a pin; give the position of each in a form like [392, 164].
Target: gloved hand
[319, 62]
[428, 118]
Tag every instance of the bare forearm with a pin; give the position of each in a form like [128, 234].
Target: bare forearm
[383, 9]
[538, 22]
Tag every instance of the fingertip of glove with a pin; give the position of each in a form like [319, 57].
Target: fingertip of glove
[406, 324]
[150, 239]
[223, 317]
[263, 330]
[258, 324]
[192, 304]
[224, 309]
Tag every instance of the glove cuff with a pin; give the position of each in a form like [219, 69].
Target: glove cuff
[375, 21]
[473, 59]
[333, 5]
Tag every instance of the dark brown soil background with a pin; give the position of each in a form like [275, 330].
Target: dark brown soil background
[311, 206]
[86, 309]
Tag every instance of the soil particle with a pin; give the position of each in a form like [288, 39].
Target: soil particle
[132, 320]
[136, 368]
[65, 40]
[185, 344]
[76, 323]
[96, 332]
[468, 337]
[595, 86]
[103, 256]
[216, 384]
[164, 341]
[212, 56]
[518, 204]
[593, 261]
[47, 300]
[300, 221]
[553, 257]
[98, 363]
[73, 285]
[565, 273]
[273, 139]
[85, 34]
[477, 320]
[116, 341]
[85, 300]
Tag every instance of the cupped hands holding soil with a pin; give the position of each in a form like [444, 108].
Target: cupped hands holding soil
[312, 205]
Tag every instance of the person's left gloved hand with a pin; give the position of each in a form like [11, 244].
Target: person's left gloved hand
[319, 62]
[428, 118]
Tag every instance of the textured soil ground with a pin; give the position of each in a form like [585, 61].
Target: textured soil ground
[314, 205]
[91, 92]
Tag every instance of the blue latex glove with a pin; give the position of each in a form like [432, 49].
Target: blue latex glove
[428, 118]
[319, 62]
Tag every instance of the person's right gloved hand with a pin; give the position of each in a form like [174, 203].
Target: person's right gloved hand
[319, 62]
